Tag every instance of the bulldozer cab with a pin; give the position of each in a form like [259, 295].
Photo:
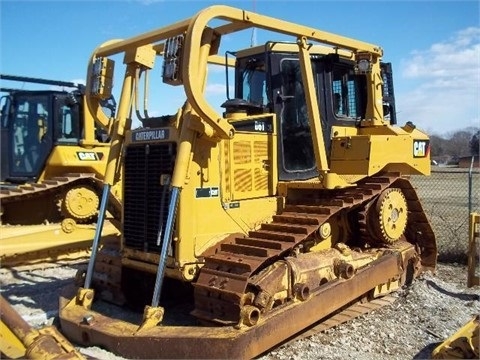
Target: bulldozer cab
[271, 81]
[46, 133]
[32, 124]
[52, 159]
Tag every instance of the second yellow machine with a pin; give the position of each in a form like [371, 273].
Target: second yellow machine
[286, 206]
[53, 157]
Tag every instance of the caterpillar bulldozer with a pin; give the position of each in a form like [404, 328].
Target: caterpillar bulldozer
[53, 157]
[247, 221]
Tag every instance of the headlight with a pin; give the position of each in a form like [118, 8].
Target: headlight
[364, 63]
[101, 78]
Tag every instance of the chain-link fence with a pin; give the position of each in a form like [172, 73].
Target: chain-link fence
[447, 196]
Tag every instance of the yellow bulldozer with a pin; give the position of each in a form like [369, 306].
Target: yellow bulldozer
[53, 155]
[247, 221]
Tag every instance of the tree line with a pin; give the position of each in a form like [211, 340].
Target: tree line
[456, 144]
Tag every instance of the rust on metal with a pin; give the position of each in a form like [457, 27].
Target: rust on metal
[123, 338]
[46, 343]
[351, 312]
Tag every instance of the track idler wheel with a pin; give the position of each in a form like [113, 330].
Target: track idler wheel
[386, 217]
[79, 203]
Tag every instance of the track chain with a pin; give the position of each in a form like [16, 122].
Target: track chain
[349, 313]
[55, 186]
[223, 279]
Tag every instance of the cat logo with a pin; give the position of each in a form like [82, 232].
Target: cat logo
[87, 156]
[421, 148]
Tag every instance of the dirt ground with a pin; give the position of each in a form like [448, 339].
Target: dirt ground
[422, 315]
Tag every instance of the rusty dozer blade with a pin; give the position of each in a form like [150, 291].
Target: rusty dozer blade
[91, 328]
[20, 340]
[463, 344]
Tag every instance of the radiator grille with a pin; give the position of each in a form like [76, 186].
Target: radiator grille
[248, 158]
[145, 199]
[242, 152]
[226, 164]
[243, 180]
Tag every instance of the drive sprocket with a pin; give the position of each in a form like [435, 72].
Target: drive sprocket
[386, 217]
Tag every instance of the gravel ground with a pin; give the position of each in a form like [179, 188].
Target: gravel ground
[424, 314]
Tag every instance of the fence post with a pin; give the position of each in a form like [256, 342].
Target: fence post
[473, 235]
[470, 176]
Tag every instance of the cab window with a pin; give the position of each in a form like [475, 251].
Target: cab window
[347, 90]
[297, 146]
[68, 124]
[254, 83]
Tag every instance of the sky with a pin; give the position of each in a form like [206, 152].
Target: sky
[434, 46]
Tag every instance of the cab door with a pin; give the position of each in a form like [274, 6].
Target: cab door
[5, 102]
[30, 133]
[296, 158]
[341, 101]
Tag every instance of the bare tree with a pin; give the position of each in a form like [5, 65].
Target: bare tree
[474, 143]
[459, 143]
[438, 145]
[455, 145]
